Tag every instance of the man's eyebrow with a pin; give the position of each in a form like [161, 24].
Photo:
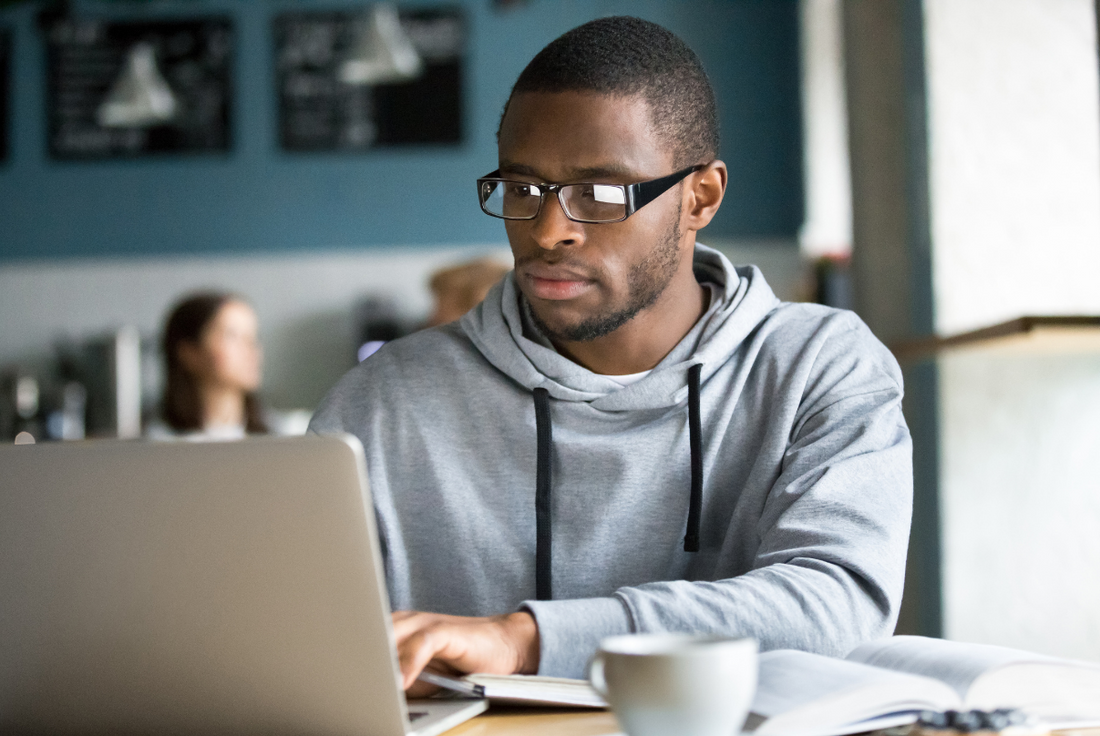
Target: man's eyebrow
[507, 167]
[611, 171]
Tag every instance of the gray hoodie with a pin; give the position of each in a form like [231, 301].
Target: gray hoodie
[803, 462]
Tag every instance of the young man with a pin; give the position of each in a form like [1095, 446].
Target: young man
[628, 434]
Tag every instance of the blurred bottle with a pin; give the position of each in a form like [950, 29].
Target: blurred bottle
[66, 422]
[21, 405]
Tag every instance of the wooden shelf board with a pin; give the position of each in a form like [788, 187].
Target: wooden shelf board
[1046, 334]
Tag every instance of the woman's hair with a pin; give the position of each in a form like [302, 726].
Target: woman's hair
[180, 406]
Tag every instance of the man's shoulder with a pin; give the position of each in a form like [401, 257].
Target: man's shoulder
[401, 371]
[804, 323]
[413, 347]
[422, 355]
[826, 340]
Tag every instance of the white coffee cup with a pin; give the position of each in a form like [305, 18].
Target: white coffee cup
[684, 684]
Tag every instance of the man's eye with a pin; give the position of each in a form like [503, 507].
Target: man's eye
[516, 189]
[582, 191]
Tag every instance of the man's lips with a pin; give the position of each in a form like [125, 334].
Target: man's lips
[548, 282]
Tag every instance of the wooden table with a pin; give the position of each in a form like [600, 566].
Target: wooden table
[538, 722]
[559, 722]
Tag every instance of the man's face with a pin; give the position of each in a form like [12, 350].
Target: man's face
[584, 281]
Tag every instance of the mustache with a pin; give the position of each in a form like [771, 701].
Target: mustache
[563, 262]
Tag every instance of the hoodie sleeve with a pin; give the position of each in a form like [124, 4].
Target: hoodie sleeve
[833, 531]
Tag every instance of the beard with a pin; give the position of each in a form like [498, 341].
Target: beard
[646, 280]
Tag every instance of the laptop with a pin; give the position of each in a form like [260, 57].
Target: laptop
[222, 588]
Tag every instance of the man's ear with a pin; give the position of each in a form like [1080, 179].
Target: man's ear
[703, 193]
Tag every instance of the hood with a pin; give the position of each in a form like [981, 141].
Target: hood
[743, 300]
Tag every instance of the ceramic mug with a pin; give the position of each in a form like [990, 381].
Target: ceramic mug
[684, 684]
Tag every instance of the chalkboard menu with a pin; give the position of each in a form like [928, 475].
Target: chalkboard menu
[319, 110]
[121, 89]
[5, 92]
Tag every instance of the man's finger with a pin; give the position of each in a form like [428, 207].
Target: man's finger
[422, 690]
[414, 654]
[409, 623]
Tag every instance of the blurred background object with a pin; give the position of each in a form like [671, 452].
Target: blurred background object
[975, 168]
[109, 368]
[378, 320]
[833, 279]
[458, 289]
[383, 53]
[140, 98]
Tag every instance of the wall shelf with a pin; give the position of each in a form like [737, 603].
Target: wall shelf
[1035, 334]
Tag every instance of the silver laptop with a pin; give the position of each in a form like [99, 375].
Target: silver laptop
[224, 588]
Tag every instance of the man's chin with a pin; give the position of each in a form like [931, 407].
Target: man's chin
[560, 328]
[551, 323]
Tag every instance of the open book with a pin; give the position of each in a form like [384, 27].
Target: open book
[538, 691]
[880, 684]
[885, 682]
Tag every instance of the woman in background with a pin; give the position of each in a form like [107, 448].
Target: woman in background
[213, 361]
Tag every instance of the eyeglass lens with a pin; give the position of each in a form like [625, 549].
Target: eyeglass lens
[593, 202]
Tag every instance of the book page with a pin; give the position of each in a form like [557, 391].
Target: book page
[540, 691]
[1052, 691]
[988, 677]
[802, 693]
[957, 663]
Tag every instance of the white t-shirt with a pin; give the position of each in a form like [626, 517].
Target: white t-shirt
[628, 379]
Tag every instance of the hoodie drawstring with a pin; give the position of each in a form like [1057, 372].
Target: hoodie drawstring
[695, 430]
[544, 438]
[542, 495]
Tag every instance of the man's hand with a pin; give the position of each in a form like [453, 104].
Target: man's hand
[503, 645]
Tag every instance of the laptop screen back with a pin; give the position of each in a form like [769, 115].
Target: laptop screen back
[207, 588]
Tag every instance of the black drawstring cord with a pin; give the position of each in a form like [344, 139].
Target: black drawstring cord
[542, 495]
[695, 507]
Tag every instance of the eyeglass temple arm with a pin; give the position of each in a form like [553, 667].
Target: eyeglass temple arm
[644, 193]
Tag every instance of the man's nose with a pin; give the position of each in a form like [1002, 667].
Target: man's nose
[552, 229]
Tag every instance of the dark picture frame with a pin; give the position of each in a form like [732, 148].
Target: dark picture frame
[5, 92]
[86, 59]
[319, 112]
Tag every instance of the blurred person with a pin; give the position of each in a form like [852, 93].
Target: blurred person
[458, 289]
[213, 366]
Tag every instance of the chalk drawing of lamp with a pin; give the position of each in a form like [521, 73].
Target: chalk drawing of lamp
[140, 97]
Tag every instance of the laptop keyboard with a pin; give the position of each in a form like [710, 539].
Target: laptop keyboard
[416, 714]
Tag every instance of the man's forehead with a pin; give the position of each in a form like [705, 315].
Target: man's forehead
[578, 135]
[609, 170]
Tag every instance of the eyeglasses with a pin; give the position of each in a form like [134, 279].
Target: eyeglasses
[582, 202]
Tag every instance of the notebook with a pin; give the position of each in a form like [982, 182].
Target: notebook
[222, 588]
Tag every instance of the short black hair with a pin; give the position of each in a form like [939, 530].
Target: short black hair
[626, 56]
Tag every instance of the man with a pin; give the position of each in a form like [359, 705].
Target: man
[628, 434]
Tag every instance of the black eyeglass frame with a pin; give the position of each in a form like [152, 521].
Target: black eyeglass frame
[637, 195]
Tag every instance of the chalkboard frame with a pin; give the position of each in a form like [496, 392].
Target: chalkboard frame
[6, 64]
[201, 78]
[428, 111]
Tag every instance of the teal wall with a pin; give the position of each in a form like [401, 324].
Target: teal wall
[258, 198]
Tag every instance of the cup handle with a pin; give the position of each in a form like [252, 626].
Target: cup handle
[595, 674]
